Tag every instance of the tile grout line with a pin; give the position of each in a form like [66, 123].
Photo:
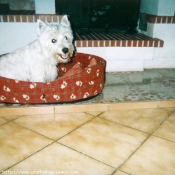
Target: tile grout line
[94, 111]
[5, 122]
[121, 171]
[164, 139]
[124, 125]
[85, 155]
[149, 135]
[162, 122]
[28, 156]
[13, 121]
[33, 131]
[54, 110]
[76, 128]
[9, 121]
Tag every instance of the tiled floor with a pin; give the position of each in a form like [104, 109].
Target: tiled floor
[125, 142]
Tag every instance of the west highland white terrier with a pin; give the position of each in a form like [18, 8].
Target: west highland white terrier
[37, 62]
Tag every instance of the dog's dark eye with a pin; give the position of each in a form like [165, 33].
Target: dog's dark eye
[54, 40]
[65, 37]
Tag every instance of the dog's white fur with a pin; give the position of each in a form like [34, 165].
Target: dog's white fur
[37, 61]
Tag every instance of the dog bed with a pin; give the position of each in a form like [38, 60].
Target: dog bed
[82, 78]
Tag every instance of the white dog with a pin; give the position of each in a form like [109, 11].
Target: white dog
[37, 61]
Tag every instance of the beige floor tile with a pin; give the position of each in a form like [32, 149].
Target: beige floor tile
[57, 157]
[104, 140]
[3, 120]
[81, 108]
[167, 103]
[17, 143]
[155, 157]
[6, 111]
[142, 119]
[169, 109]
[54, 126]
[94, 113]
[167, 129]
[133, 105]
[12, 117]
[120, 173]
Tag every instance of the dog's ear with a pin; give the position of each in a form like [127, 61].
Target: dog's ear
[65, 22]
[41, 25]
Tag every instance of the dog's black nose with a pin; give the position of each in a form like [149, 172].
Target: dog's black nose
[65, 50]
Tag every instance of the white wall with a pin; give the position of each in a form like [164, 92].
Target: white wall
[163, 57]
[166, 33]
[15, 35]
[121, 58]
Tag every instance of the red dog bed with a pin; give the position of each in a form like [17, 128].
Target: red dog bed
[80, 79]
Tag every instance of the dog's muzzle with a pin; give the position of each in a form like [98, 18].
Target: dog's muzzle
[65, 53]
